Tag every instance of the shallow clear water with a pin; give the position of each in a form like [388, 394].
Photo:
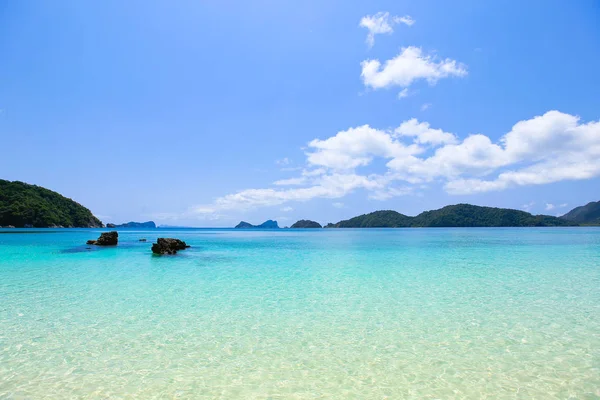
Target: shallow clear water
[365, 314]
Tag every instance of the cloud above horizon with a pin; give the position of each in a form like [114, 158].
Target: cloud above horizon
[548, 148]
[407, 67]
[382, 23]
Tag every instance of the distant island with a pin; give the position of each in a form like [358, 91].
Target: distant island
[458, 215]
[305, 223]
[23, 205]
[145, 225]
[585, 215]
[270, 224]
[29, 206]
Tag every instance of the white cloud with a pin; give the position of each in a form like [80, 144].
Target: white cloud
[356, 147]
[548, 148]
[425, 106]
[330, 186]
[381, 23]
[403, 93]
[390, 192]
[423, 133]
[528, 206]
[291, 181]
[410, 65]
[283, 162]
[406, 20]
[550, 206]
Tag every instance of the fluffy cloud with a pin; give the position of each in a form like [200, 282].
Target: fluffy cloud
[549, 148]
[381, 23]
[356, 147]
[410, 65]
[424, 134]
[330, 186]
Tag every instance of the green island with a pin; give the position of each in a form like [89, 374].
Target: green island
[269, 224]
[585, 215]
[24, 205]
[458, 215]
[305, 223]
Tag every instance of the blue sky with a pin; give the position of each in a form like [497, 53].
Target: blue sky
[206, 113]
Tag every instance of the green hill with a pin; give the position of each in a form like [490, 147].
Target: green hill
[22, 204]
[269, 224]
[586, 215]
[305, 223]
[459, 215]
[377, 219]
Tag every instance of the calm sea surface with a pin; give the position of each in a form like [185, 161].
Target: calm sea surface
[302, 314]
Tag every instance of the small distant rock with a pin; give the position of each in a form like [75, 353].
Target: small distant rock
[143, 240]
[168, 246]
[111, 225]
[11, 227]
[106, 239]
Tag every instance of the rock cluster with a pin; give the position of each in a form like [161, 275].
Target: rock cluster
[106, 239]
[168, 246]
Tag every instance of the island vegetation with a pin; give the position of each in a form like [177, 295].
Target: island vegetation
[458, 215]
[585, 215]
[305, 223]
[269, 224]
[25, 205]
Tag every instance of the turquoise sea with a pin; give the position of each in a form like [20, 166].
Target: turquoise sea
[301, 314]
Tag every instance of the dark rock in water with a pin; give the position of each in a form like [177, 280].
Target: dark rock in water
[143, 240]
[168, 246]
[305, 223]
[106, 239]
[111, 225]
